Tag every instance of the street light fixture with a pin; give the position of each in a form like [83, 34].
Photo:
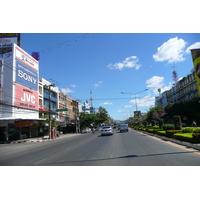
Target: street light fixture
[135, 96]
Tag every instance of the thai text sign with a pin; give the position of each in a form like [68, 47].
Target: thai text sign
[23, 123]
[26, 58]
[7, 42]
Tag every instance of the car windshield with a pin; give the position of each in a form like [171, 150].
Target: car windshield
[105, 127]
[123, 125]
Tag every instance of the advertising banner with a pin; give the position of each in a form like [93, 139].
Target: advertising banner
[137, 115]
[23, 123]
[26, 76]
[196, 62]
[25, 58]
[7, 40]
[26, 98]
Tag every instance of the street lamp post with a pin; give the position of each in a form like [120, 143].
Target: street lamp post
[135, 96]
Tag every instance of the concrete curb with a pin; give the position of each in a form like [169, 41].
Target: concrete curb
[31, 140]
[187, 144]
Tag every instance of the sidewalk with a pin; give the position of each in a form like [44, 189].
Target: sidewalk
[39, 139]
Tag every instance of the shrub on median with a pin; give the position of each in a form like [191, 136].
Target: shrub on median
[196, 130]
[188, 130]
[170, 133]
[187, 137]
[168, 127]
[161, 133]
[155, 131]
[196, 137]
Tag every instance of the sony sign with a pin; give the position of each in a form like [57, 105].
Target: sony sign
[26, 76]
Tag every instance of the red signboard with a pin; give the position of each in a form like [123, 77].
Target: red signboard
[26, 98]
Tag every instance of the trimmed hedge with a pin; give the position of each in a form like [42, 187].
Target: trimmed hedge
[197, 130]
[188, 130]
[155, 131]
[162, 133]
[170, 133]
[187, 137]
[177, 122]
[196, 137]
[168, 127]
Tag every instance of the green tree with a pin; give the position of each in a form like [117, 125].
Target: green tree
[87, 119]
[102, 115]
[155, 113]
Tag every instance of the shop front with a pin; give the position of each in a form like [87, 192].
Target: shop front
[21, 129]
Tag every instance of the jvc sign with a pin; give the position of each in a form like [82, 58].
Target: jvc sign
[26, 76]
[26, 97]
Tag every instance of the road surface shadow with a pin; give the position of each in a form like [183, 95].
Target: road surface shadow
[113, 158]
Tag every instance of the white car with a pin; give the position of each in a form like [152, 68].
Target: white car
[106, 130]
[123, 128]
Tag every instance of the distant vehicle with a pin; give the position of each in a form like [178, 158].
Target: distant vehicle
[106, 130]
[86, 130]
[123, 128]
[114, 127]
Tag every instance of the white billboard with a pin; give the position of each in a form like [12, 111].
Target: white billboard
[25, 58]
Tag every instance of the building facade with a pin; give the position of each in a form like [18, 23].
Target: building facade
[19, 111]
[184, 90]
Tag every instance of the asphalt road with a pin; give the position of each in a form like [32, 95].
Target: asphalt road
[121, 149]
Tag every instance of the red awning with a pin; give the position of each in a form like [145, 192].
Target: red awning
[42, 109]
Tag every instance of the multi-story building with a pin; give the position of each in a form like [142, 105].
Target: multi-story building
[48, 98]
[184, 90]
[63, 108]
[19, 112]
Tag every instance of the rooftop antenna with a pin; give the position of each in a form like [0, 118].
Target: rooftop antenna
[91, 99]
[175, 75]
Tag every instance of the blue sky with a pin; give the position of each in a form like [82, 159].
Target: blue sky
[132, 47]
[108, 63]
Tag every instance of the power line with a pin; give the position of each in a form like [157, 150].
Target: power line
[68, 43]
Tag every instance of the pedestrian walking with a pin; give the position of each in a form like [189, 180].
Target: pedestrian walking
[194, 124]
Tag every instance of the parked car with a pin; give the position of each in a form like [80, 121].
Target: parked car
[123, 128]
[106, 130]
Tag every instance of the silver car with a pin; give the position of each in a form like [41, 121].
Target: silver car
[106, 130]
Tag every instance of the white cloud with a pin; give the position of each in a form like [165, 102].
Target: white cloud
[66, 90]
[171, 51]
[128, 106]
[157, 82]
[106, 103]
[193, 46]
[73, 86]
[146, 101]
[130, 62]
[98, 84]
[121, 111]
